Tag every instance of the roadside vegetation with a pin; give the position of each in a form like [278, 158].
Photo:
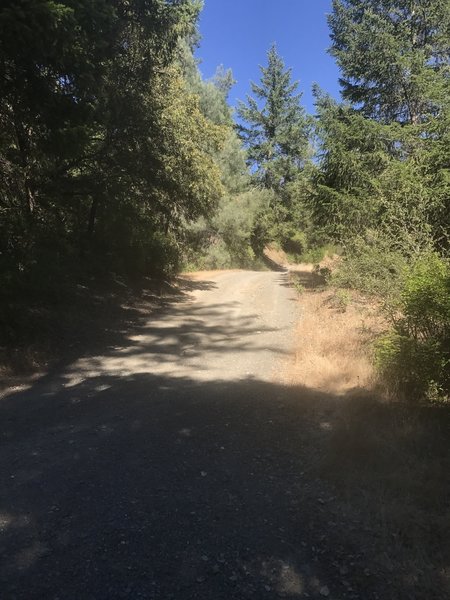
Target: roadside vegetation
[386, 459]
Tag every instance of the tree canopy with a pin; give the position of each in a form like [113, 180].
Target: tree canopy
[392, 54]
[102, 143]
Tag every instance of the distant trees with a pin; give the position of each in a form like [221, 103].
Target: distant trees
[275, 131]
[222, 238]
[274, 126]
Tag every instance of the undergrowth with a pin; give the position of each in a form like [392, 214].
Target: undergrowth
[413, 357]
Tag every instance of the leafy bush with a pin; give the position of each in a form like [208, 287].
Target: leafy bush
[234, 223]
[216, 257]
[408, 367]
[426, 299]
[317, 253]
[226, 239]
[374, 266]
[341, 300]
[414, 358]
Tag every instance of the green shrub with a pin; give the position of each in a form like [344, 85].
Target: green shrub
[373, 266]
[299, 287]
[313, 255]
[226, 239]
[217, 256]
[426, 299]
[341, 300]
[414, 358]
[409, 367]
[316, 254]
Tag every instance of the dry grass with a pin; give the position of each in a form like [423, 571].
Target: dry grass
[276, 255]
[388, 462]
[335, 334]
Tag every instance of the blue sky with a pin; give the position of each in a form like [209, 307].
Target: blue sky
[238, 33]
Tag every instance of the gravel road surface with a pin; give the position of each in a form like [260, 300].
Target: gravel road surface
[173, 466]
[234, 325]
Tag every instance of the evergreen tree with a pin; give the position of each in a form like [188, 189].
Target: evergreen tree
[385, 154]
[352, 152]
[393, 54]
[274, 126]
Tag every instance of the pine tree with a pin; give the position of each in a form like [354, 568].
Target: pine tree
[274, 126]
[392, 54]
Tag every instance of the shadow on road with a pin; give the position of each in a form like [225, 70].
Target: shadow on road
[272, 265]
[159, 486]
[166, 487]
[56, 330]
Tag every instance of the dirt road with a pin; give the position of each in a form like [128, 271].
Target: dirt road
[150, 470]
[233, 325]
[176, 465]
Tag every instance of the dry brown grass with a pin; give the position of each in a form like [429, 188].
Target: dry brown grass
[276, 255]
[334, 337]
[388, 462]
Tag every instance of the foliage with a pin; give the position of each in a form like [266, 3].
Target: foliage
[374, 266]
[373, 176]
[392, 55]
[274, 126]
[225, 239]
[103, 148]
[352, 151]
[235, 220]
[414, 357]
[221, 238]
[384, 156]
[295, 243]
[297, 285]
[340, 300]
[316, 254]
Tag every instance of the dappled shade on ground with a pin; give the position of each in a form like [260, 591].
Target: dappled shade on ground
[181, 476]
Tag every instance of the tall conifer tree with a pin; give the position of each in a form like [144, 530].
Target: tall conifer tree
[392, 54]
[274, 126]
